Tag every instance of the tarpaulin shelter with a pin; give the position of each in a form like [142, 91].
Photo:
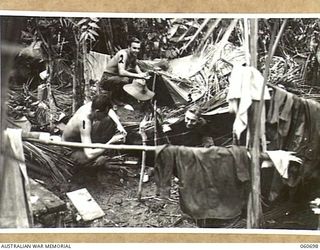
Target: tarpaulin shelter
[189, 78]
[96, 64]
[184, 79]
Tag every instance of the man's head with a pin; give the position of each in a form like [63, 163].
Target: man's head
[100, 107]
[134, 45]
[193, 117]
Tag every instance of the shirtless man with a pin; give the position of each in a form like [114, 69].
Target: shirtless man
[121, 69]
[94, 122]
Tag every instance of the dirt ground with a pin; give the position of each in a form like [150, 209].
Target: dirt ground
[114, 187]
[115, 191]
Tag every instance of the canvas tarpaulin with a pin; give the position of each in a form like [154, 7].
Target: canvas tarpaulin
[190, 77]
[96, 64]
[187, 78]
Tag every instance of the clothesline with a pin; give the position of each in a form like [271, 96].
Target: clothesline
[92, 145]
[264, 156]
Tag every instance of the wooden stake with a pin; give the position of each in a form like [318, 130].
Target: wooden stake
[155, 137]
[143, 160]
[154, 82]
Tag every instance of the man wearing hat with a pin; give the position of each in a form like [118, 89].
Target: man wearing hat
[139, 97]
[121, 69]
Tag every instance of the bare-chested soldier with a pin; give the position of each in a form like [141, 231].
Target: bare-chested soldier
[121, 69]
[94, 122]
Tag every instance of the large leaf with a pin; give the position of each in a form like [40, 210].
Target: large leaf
[222, 43]
[91, 36]
[82, 21]
[94, 19]
[83, 36]
[93, 32]
[94, 25]
[172, 31]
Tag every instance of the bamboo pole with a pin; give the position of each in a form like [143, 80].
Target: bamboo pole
[143, 160]
[91, 145]
[143, 167]
[254, 211]
[74, 80]
[52, 107]
[155, 135]
[34, 138]
[255, 215]
[266, 72]
[154, 81]
[246, 40]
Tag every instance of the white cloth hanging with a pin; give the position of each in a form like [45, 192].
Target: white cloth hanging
[245, 85]
[281, 159]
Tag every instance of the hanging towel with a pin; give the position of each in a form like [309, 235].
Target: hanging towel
[281, 159]
[245, 85]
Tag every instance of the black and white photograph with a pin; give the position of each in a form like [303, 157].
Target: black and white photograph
[160, 121]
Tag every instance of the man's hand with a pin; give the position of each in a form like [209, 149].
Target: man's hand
[145, 75]
[117, 138]
[122, 130]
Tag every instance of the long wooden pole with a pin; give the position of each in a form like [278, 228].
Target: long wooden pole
[254, 211]
[155, 134]
[263, 156]
[246, 40]
[91, 145]
[255, 215]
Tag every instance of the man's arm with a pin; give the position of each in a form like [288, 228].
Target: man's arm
[115, 118]
[207, 141]
[122, 68]
[138, 70]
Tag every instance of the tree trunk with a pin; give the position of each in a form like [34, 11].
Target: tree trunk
[254, 205]
[254, 212]
[77, 89]
[52, 106]
[87, 96]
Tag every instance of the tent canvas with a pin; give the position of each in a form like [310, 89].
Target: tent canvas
[185, 79]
